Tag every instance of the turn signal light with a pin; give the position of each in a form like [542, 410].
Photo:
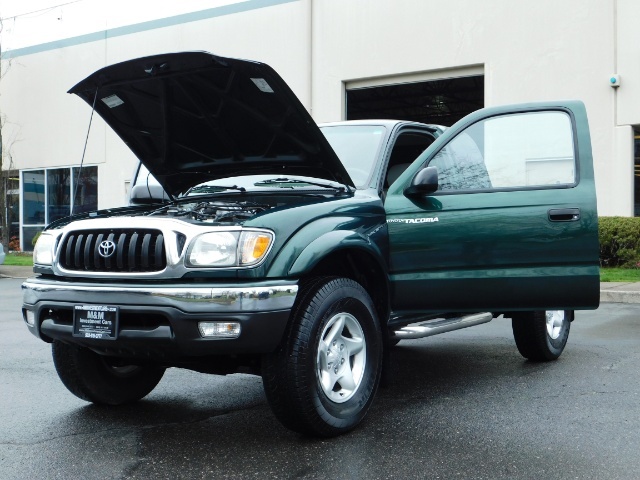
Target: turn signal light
[219, 329]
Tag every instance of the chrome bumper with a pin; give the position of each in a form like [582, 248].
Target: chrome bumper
[263, 297]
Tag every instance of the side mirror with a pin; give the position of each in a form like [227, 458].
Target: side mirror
[423, 183]
[146, 194]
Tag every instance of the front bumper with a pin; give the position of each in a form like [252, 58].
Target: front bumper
[161, 322]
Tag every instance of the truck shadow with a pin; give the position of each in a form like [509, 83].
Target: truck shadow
[414, 371]
[465, 404]
[436, 394]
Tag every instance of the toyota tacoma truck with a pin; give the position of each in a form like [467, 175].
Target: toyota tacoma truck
[258, 241]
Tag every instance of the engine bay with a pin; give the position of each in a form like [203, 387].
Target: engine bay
[231, 210]
[213, 211]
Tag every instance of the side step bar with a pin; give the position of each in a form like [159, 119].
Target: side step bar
[440, 325]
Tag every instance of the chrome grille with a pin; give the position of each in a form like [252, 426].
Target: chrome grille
[136, 250]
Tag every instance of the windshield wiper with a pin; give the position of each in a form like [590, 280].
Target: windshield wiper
[205, 189]
[293, 183]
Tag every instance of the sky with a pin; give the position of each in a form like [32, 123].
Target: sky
[32, 22]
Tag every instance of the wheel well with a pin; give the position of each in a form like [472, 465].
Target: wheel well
[362, 267]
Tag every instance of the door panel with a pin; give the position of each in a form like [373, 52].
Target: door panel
[513, 225]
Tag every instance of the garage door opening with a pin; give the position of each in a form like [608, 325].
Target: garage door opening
[443, 101]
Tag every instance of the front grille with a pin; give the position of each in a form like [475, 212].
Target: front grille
[136, 250]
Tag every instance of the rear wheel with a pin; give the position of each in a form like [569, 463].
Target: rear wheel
[100, 379]
[323, 378]
[541, 335]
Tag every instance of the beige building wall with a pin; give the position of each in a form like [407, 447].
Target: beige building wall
[528, 51]
[47, 127]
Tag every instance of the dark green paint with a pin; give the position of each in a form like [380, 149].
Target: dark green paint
[498, 250]
[495, 251]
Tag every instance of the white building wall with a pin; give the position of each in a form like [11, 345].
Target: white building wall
[528, 51]
[47, 127]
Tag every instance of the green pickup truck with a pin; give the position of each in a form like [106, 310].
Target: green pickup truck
[258, 241]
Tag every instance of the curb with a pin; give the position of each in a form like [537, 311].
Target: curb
[616, 296]
[15, 271]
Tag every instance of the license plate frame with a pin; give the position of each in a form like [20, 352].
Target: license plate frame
[96, 322]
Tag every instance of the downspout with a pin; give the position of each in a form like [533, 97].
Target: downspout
[615, 61]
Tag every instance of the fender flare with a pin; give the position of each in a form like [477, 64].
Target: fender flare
[332, 242]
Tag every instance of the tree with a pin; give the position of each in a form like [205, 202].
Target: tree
[4, 227]
[5, 160]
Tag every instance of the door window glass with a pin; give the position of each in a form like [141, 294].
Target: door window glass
[510, 151]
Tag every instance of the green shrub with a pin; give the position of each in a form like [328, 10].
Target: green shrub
[619, 242]
[35, 238]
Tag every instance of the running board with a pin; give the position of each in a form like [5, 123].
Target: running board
[440, 325]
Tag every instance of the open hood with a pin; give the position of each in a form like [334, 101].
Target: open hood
[193, 116]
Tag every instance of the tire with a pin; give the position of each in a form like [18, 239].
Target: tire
[391, 342]
[542, 335]
[99, 379]
[324, 376]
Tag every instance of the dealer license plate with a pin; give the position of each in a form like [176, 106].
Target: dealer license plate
[95, 321]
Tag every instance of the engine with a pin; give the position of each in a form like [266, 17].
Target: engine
[214, 211]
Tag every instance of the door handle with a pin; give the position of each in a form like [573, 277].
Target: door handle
[564, 214]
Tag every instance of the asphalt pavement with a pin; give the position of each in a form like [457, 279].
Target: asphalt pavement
[610, 292]
[460, 405]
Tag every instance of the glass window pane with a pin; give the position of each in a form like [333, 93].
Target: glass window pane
[86, 197]
[509, 151]
[461, 165]
[28, 235]
[33, 197]
[532, 149]
[357, 148]
[12, 184]
[58, 193]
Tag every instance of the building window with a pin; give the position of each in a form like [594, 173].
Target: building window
[47, 196]
[12, 211]
[85, 184]
[58, 193]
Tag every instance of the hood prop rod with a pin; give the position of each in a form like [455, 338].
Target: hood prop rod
[84, 151]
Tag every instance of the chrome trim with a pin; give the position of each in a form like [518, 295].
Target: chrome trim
[191, 299]
[555, 320]
[170, 227]
[437, 326]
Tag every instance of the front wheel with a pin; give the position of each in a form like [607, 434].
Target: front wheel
[323, 378]
[542, 335]
[102, 380]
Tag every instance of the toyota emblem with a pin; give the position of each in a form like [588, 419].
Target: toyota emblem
[106, 248]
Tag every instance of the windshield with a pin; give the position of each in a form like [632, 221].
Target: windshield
[357, 147]
[264, 183]
[254, 183]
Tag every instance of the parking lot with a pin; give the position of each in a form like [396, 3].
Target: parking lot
[460, 405]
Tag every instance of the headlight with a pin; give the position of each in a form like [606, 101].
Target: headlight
[43, 251]
[229, 249]
[253, 246]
